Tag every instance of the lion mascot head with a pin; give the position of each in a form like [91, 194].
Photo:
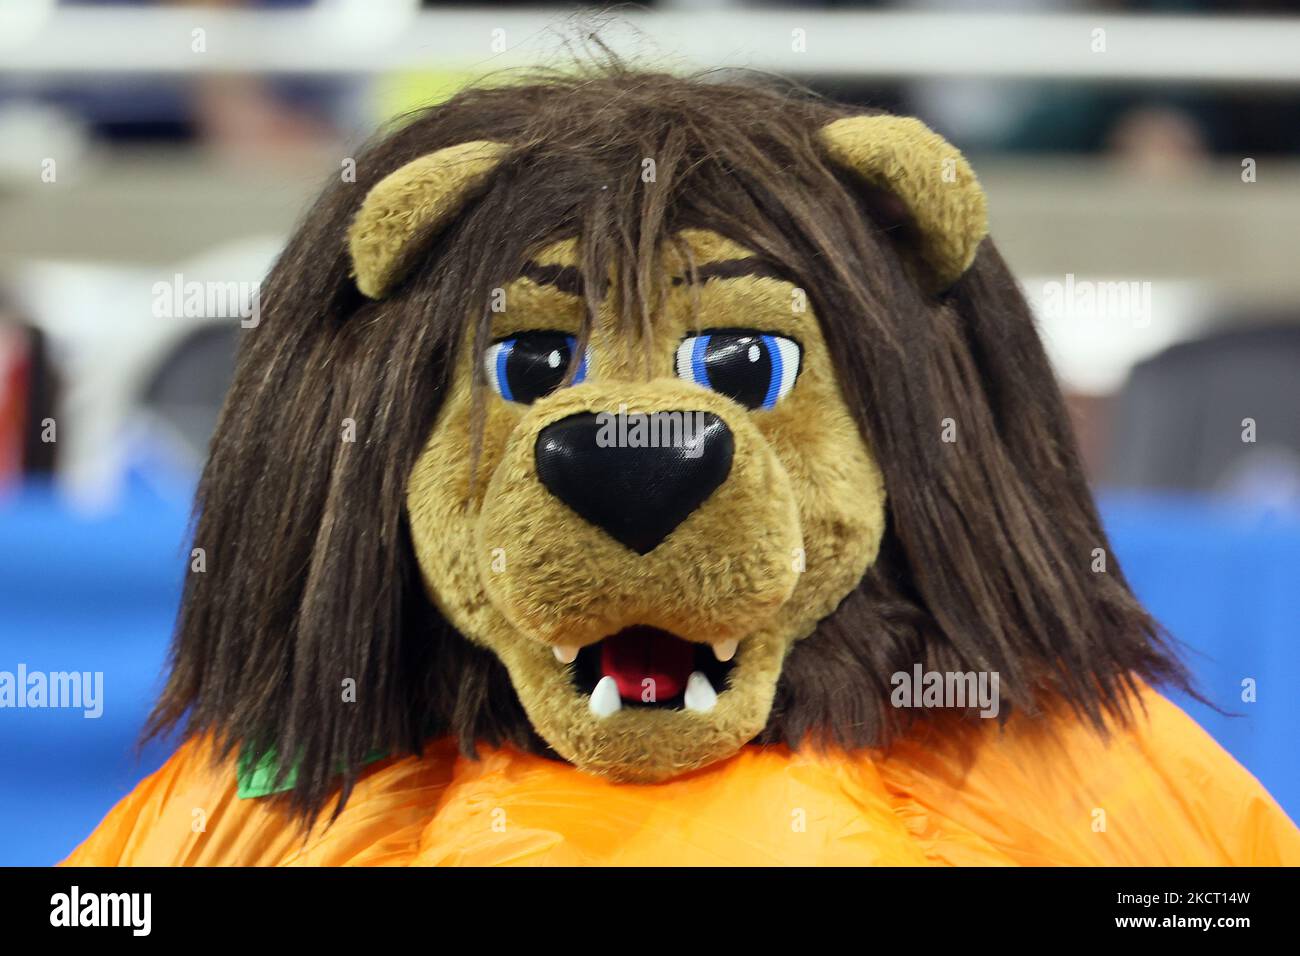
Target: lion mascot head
[634, 419]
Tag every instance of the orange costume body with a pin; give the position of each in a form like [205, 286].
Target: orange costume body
[1159, 793]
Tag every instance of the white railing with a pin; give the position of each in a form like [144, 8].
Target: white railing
[40, 39]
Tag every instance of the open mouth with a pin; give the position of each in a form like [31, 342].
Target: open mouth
[644, 666]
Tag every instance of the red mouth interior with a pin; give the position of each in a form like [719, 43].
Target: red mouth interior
[637, 653]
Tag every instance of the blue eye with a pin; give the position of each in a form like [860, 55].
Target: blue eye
[750, 367]
[531, 365]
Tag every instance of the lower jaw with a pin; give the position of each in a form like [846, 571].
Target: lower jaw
[681, 664]
[648, 744]
[653, 745]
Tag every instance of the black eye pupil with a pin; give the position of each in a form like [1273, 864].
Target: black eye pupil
[739, 366]
[536, 365]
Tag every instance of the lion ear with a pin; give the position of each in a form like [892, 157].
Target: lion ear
[409, 205]
[908, 160]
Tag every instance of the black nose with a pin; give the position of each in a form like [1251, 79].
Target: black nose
[635, 476]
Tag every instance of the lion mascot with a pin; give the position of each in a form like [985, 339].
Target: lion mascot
[633, 469]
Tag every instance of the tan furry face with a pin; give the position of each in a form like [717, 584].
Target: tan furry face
[795, 518]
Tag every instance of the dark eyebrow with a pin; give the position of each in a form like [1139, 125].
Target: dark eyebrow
[569, 278]
[565, 278]
[732, 269]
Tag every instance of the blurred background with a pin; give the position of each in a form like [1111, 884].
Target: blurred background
[1141, 161]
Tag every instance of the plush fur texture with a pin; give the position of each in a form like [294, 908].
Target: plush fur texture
[362, 470]
[909, 160]
[410, 205]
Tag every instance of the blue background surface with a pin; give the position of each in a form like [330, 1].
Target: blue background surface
[88, 594]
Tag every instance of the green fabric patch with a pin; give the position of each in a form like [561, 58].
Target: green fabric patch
[258, 779]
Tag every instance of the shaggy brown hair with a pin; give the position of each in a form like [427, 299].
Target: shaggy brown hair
[986, 562]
